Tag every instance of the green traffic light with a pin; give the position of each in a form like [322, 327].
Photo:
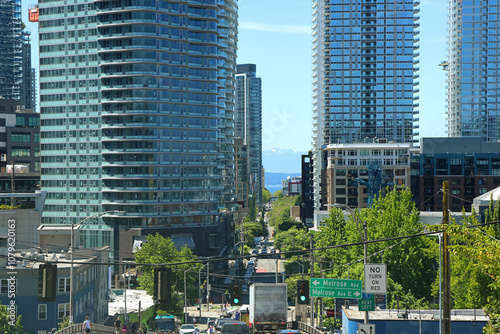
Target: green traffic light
[236, 300]
[303, 298]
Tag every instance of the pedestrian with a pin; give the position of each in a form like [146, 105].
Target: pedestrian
[144, 329]
[194, 321]
[87, 326]
[133, 327]
[125, 328]
[118, 325]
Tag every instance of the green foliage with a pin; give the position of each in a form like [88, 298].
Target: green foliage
[64, 323]
[278, 194]
[475, 259]
[400, 298]
[266, 196]
[160, 250]
[291, 239]
[9, 325]
[253, 230]
[279, 216]
[410, 262]
[252, 214]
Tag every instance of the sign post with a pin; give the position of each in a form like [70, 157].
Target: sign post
[376, 278]
[335, 288]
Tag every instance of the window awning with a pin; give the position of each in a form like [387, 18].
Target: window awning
[180, 240]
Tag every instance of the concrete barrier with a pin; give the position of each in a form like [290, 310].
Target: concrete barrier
[78, 329]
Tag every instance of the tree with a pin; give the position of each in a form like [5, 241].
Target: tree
[266, 196]
[477, 250]
[64, 323]
[9, 324]
[160, 250]
[278, 194]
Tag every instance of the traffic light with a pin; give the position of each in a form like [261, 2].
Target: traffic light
[236, 294]
[162, 286]
[47, 282]
[302, 292]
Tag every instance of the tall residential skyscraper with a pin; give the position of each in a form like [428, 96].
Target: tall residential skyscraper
[135, 98]
[17, 79]
[473, 69]
[248, 123]
[363, 73]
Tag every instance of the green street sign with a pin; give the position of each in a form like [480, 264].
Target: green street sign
[367, 303]
[335, 288]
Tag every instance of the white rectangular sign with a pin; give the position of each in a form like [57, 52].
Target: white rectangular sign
[376, 278]
[366, 329]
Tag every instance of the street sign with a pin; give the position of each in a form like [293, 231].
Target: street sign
[366, 329]
[335, 288]
[367, 302]
[376, 278]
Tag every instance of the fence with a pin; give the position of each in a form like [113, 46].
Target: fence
[78, 329]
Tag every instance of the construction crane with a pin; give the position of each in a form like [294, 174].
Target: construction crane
[374, 183]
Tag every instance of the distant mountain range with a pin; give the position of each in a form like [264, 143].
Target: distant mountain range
[278, 165]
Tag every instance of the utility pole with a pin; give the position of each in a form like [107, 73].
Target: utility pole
[446, 260]
[312, 275]
[365, 259]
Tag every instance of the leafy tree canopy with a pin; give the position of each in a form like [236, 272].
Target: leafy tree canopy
[9, 324]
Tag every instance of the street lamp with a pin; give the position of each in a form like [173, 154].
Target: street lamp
[199, 287]
[364, 238]
[71, 259]
[301, 265]
[185, 295]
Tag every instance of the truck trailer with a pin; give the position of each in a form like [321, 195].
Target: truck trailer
[268, 307]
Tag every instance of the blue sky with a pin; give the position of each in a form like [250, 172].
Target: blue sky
[275, 35]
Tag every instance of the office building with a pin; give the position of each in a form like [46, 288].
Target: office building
[134, 114]
[248, 123]
[17, 78]
[356, 173]
[364, 74]
[472, 70]
[470, 165]
[19, 149]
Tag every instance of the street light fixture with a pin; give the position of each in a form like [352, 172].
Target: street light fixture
[185, 295]
[71, 259]
[364, 238]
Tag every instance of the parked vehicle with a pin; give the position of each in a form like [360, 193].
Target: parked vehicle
[268, 307]
[188, 329]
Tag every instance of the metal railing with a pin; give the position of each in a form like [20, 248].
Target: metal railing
[78, 329]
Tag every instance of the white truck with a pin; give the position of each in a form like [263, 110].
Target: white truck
[268, 307]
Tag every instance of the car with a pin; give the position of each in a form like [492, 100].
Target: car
[235, 327]
[188, 329]
[219, 322]
[288, 331]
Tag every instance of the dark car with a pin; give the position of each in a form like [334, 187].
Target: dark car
[219, 322]
[235, 327]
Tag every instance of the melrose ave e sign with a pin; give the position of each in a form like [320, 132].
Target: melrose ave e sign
[335, 288]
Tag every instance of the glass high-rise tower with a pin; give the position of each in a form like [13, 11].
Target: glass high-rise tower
[135, 97]
[364, 80]
[248, 124]
[473, 69]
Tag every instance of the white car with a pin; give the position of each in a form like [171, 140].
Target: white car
[188, 329]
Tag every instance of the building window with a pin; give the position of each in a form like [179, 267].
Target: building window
[4, 286]
[62, 310]
[64, 284]
[42, 312]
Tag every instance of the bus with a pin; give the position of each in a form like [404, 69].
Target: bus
[167, 324]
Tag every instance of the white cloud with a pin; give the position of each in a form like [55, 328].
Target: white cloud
[281, 28]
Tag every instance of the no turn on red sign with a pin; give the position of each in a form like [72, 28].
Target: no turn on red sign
[376, 278]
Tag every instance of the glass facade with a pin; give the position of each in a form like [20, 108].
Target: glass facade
[364, 73]
[132, 111]
[248, 124]
[473, 69]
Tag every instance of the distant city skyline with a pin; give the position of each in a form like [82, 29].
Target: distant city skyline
[276, 36]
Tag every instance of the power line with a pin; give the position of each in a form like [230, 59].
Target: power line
[218, 259]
